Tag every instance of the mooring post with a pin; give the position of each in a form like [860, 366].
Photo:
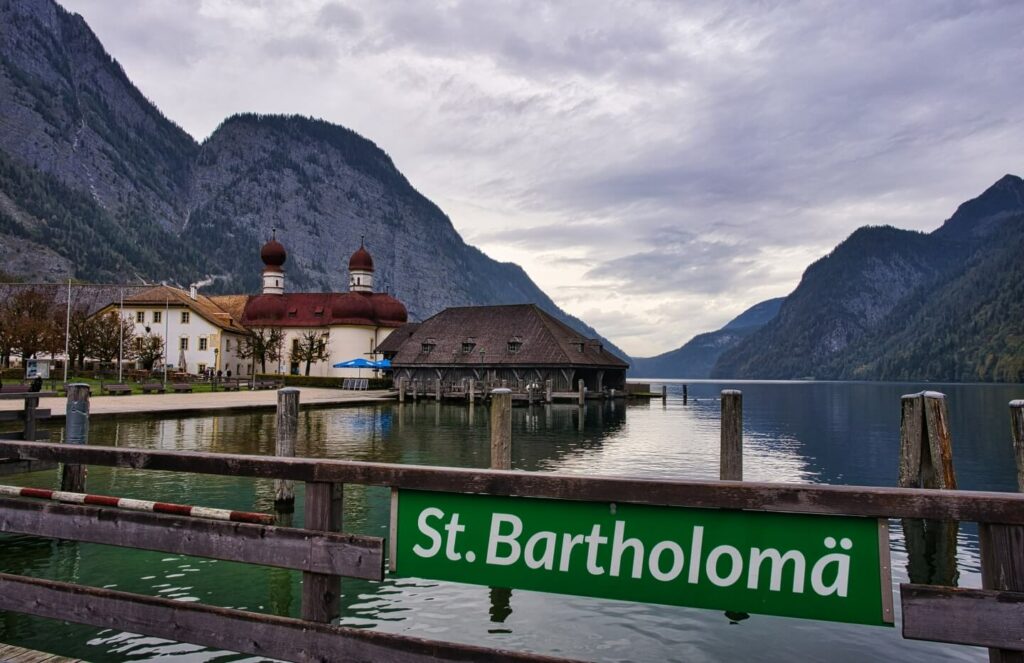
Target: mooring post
[686, 394]
[664, 393]
[548, 388]
[29, 432]
[926, 461]
[1017, 424]
[77, 432]
[1002, 546]
[287, 431]
[321, 593]
[731, 461]
[501, 429]
[472, 391]
[582, 388]
[401, 390]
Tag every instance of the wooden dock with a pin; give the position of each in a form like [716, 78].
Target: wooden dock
[12, 654]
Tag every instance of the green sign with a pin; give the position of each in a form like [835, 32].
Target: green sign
[833, 568]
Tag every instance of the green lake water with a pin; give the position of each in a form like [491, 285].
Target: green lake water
[803, 432]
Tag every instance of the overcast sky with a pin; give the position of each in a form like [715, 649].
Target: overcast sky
[656, 167]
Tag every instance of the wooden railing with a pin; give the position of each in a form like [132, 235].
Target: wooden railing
[992, 617]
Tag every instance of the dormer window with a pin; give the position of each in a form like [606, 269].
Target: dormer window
[468, 345]
[292, 312]
[318, 311]
[579, 346]
[514, 346]
[427, 346]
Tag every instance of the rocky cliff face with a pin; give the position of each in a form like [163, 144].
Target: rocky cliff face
[92, 174]
[841, 320]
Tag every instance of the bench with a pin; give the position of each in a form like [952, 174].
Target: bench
[153, 387]
[117, 389]
[15, 389]
[181, 388]
[230, 385]
[266, 384]
[356, 384]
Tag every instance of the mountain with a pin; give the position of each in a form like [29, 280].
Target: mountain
[901, 305]
[696, 358]
[96, 181]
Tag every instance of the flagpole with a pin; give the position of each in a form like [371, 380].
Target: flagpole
[67, 335]
[166, 339]
[120, 344]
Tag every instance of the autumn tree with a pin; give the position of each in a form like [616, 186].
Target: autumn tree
[263, 344]
[148, 349]
[81, 335]
[310, 348]
[109, 330]
[29, 320]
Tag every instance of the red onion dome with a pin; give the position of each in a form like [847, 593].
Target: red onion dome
[273, 253]
[387, 309]
[360, 261]
[349, 306]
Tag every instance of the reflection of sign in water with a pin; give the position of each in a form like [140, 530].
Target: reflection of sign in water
[370, 423]
[832, 568]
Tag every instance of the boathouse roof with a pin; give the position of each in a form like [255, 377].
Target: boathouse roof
[518, 334]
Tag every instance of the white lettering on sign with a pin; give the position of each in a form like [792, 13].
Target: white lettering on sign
[724, 565]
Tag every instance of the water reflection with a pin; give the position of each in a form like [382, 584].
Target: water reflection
[794, 432]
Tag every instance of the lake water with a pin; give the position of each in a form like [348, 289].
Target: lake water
[803, 432]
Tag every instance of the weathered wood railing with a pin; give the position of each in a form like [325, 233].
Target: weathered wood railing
[987, 617]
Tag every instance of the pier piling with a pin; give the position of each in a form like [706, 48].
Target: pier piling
[287, 431]
[321, 593]
[401, 390]
[731, 460]
[582, 393]
[77, 427]
[686, 395]
[501, 429]
[1017, 424]
[664, 393]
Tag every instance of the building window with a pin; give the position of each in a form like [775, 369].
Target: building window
[514, 346]
[295, 346]
[138, 343]
[202, 368]
[579, 347]
[158, 317]
[427, 347]
[184, 317]
[467, 347]
[202, 343]
[140, 317]
[183, 343]
[227, 345]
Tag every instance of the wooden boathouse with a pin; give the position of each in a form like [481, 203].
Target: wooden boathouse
[515, 345]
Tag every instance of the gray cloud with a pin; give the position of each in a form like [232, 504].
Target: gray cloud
[656, 167]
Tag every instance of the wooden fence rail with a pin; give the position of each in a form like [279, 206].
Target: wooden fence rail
[324, 555]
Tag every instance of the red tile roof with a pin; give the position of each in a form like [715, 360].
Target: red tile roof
[321, 309]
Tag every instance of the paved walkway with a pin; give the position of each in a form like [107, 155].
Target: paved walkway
[185, 403]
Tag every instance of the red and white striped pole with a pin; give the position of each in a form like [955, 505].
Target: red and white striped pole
[139, 505]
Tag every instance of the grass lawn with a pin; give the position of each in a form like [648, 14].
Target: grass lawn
[96, 390]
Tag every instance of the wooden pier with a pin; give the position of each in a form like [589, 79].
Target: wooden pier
[30, 415]
[11, 654]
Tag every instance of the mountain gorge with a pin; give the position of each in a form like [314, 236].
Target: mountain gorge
[96, 182]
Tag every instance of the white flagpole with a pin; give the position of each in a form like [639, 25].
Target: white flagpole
[120, 346]
[166, 339]
[67, 335]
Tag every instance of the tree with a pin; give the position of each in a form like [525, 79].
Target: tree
[29, 321]
[108, 331]
[263, 344]
[311, 347]
[148, 349]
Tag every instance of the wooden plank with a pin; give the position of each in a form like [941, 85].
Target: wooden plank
[12, 654]
[41, 436]
[22, 395]
[501, 429]
[1002, 569]
[321, 593]
[978, 617]
[285, 547]
[911, 437]
[872, 502]
[287, 432]
[940, 444]
[269, 636]
[19, 415]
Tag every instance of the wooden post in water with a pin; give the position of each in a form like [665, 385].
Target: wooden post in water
[664, 393]
[686, 394]
[501, 429]
[31, 404]
[582, 393]
[1017, 424]
[401, 390]
[1002, 546]
[472, 391]
[549, 386]
[437, 390]
[321, 593]
[287, 431]
[77, 432]
[731, 461]
[926, 461]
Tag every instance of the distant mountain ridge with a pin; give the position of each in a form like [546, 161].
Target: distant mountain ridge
[697, 357]
[899, 305]
[94, 179]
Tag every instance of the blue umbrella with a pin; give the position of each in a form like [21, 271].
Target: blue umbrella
[358, 362]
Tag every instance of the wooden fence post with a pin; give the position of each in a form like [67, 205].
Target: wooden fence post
[731, 460]
[1002, 546]
[926, 461]
[287, 431]
[582, 393]
[321, 593]
[77, 432]
[501, 429]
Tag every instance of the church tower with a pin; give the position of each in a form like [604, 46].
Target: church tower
[273, 256]
[360, 270]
